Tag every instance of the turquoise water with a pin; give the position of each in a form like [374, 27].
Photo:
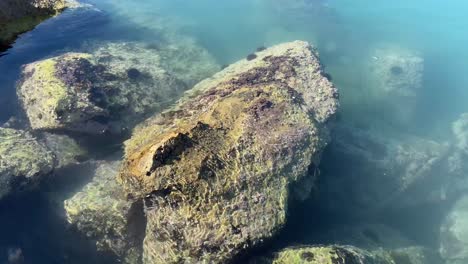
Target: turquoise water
[348, 35]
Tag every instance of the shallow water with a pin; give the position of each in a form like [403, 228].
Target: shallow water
[346, 34]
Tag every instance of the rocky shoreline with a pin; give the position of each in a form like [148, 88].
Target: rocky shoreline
[19, 16]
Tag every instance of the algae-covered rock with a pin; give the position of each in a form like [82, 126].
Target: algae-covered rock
[454, 234]
[18, 16]
[23, 161]
[102, 212]
[215, 169]
[65, 149]
[331, 255]
[109, 90]
[339, 254]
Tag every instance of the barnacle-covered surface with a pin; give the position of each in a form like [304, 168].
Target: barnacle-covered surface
[215, 169]
[23, 161]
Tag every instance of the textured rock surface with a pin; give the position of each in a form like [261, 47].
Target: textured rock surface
[335, 254]
[454, 234]
[330, 255]
[18, 16]
[107, 91]
[23, 161]
[215, 169]
[396, 71]
[65, 149]
[394, 79]
[102, 213]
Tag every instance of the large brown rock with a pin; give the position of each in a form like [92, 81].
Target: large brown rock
[215, 169]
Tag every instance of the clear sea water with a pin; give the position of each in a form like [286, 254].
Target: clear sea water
[345, 32]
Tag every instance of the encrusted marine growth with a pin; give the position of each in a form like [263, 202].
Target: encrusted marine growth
[330, 255]
[214, 170]
[101, 212]
[108, 90]
[18, 16]
[23, 161]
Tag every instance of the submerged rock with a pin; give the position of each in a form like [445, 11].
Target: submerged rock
[340, 254]
[460, 131]
[214, 170]
[24, 161]
[102, 213]
[330, 255]
[109, 90]
[379, 171]
[65, 149]
[454, 234]
[18, 16]
[394, 79]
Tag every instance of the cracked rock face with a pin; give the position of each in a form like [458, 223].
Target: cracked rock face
[108, 90]
[23, 161]
[214, 170]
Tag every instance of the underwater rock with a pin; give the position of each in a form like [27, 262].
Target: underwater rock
[106, 91]
[24, 161]
[65, 149]
[341, 254]
[395, 71]
[454, 234]
[380, 170]
[460, 131]
[330, 255]
[214, 170]
[102, 212]
[394, 78]
[18, 16]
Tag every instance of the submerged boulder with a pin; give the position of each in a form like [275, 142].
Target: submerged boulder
[65, 149]
[338, 254]
[24, 161]
[394, 77]
[106, 91]
[214, 170]
[329, 255]
[102, 212]
[454, 234]
[380, 170]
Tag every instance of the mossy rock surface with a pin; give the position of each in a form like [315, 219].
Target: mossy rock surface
[19, 16]
[214, 170]
[345, 254]
[23, 161]
[102, 213]
[329, 255]
[106, 91]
